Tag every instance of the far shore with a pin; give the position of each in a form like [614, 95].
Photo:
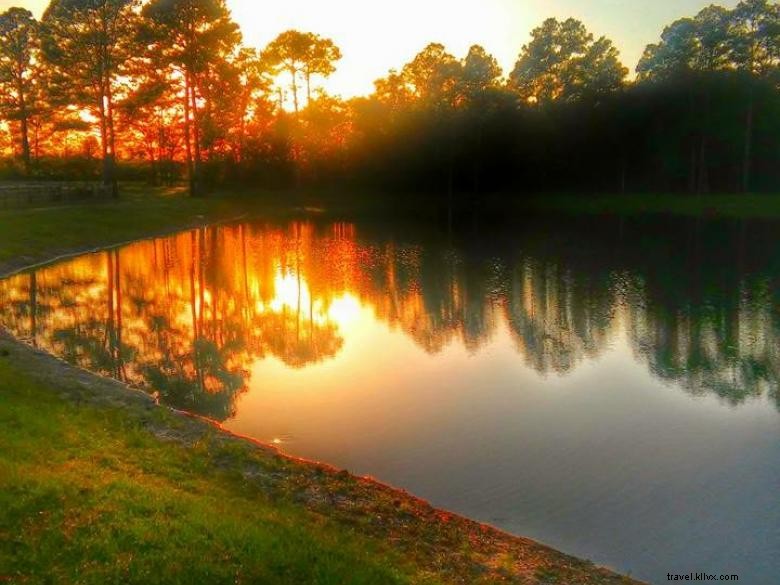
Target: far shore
[725, 205]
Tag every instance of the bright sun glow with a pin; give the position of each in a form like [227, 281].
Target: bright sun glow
[378, 36]
[290, 292]
[345, 310]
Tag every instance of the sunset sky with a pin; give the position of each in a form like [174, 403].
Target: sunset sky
[377, 36]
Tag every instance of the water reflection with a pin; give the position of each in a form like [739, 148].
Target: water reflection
[188, 315]
[609, 387]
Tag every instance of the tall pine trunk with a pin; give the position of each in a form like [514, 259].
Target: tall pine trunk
[104, 137]
[24, 127]
[106, 121]
[295, 92]
[703, 186]
[111, 139]
[748, 148]
[187, 137]
[195, 138]
[692, 177]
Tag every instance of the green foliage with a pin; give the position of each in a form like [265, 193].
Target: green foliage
[19, 38]
[481, 73]
[754, 36]
[563, 62]
[86, 45]
[189, 35]
[746, 38]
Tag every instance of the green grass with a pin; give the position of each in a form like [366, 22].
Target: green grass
[733, 205]
[86, 496]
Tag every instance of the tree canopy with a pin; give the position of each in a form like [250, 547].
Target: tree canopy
[746, 38]
[302, 55]
[564, 62]
[19, 37]
[195, 40]
[86, 44]
[166, 90]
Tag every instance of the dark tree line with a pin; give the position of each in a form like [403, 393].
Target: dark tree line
[165, 89]
[702, 116]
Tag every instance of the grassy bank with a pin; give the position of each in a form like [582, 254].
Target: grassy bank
[100, 485]
[89, 495]
[734, 206]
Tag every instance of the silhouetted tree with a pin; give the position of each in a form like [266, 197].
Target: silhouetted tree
[254, 83]
[754, 43]
[689, 47]
[301, 54]
[433, 76]
[716, 39]
[87, 44]
[192, 38]
[146, 116]
[19, 44]
[324, 54]
[703, 114]
[562, 61]
[480, 73]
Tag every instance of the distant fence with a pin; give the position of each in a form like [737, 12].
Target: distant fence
[41, 194]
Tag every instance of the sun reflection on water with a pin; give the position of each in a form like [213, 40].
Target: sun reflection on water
[190, 316]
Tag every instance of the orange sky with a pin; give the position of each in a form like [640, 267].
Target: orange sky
[379, 35]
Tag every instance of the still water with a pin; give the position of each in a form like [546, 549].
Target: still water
[608, 387]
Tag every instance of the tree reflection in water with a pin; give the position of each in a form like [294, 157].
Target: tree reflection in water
[188, 315]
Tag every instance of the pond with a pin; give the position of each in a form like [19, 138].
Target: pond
[606, 386]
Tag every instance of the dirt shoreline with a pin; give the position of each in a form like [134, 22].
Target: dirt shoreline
[463, 550]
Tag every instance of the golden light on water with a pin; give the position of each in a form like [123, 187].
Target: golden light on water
[204, 308]
[345, 310]
[291, 291]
